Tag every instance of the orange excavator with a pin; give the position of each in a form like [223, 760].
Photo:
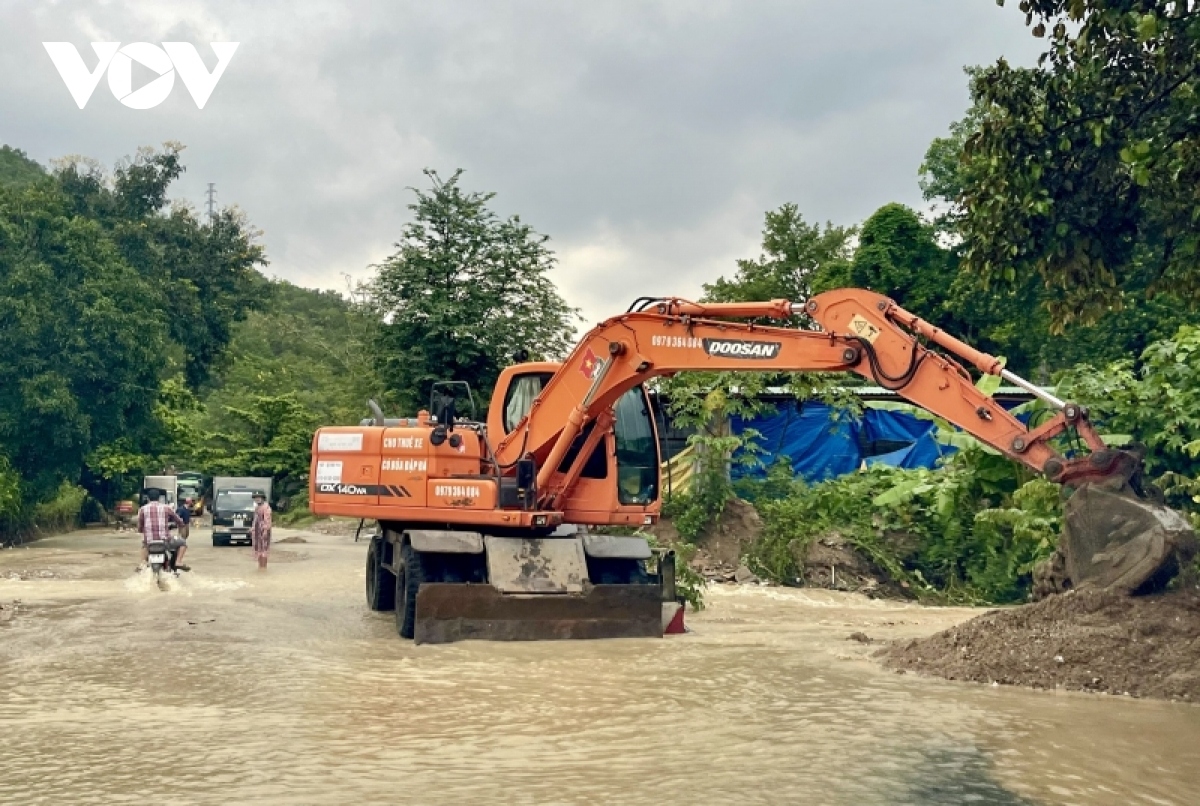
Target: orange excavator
[483, 524]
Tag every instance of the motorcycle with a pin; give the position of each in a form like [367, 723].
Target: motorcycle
[161, 558]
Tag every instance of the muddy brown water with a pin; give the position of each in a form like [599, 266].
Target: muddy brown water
[234, 686]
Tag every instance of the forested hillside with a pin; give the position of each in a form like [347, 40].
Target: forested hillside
[299, 360]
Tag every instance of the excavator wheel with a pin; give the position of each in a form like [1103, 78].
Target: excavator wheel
[408, 584]
[1114, 539]
[381, 583]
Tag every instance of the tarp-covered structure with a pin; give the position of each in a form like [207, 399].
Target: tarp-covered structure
[822, 442]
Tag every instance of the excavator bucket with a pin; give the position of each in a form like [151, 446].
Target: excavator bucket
[1114, 539]
[549, 588]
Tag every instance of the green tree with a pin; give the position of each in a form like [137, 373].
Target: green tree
[80, 338]
[1156, 400]
[313, 343]
[1085, 170]
[798, 260]
[898, 256]
[303, 359]
[463, 293]
[1013, 318]
[202, 275]
[268, 436]
[18, 169]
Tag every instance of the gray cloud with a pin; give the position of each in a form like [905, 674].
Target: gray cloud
[647, 138]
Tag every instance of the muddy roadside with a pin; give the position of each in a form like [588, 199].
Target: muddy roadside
[1145, 646]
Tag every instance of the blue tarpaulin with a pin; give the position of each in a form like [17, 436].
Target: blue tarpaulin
[822, 442]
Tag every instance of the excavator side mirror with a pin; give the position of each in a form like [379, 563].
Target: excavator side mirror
[447, 393]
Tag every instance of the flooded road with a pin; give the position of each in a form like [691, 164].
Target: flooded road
[236, 686]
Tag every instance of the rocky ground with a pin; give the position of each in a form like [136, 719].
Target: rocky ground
[1141, 646]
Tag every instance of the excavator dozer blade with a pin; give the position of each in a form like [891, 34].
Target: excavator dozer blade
[454, 612]
[1115, 540]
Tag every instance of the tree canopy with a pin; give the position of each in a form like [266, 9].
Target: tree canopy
[898, 255]
[1085, 170]
[798, 259]
[463, 293]
[16, 168]
[115, 306]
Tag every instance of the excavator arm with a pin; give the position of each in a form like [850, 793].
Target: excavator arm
[861, 332]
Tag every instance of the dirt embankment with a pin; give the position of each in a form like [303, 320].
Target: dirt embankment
[1143, 646]
[828, 562]
[719, 548]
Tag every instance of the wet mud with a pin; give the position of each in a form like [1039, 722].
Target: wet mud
[1140, 646]
[235, 686]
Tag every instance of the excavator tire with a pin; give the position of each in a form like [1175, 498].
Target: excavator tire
[1115, 540]
[408, 584]
[381, 583]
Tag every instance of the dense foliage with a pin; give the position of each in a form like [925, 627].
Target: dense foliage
[300, 361]
[1085, 170]
[107, 294]
[464, 293]
[971, 531]
[1155, 399]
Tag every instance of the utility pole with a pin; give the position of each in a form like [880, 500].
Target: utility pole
[212, 202]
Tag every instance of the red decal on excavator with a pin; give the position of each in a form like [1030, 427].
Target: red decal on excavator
[591, 363]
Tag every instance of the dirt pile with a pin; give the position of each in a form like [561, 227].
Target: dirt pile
[1086, 640]
[829, 561]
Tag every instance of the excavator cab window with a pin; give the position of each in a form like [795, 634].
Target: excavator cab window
[523, 390]
[637, 449]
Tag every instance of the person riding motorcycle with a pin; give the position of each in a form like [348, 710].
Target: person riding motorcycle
[154, 519]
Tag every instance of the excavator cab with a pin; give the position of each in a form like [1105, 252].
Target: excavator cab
[620, 473]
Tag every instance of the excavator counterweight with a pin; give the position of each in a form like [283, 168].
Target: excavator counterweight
[483, 526]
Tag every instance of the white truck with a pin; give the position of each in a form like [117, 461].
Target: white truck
[165, 484]
[233, 507]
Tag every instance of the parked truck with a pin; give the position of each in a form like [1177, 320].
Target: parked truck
[167, 485]
[191, 486]
[233, 507]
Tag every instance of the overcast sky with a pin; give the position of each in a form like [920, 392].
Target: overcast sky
[646, 138]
